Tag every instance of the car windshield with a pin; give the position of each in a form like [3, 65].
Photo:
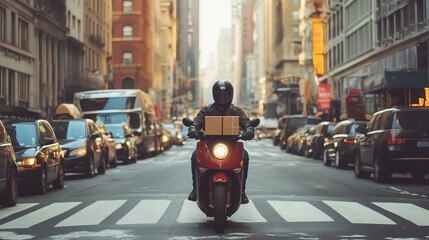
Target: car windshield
[70, 130]
[411, 120]
[22, 135]
[117, 131]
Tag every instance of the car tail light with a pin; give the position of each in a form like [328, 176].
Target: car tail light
[391, 138]
[349, 141]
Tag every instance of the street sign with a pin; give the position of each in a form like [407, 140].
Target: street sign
[324, 96]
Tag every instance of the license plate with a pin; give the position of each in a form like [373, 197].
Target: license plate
[422, 143]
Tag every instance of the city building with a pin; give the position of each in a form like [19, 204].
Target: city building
[50, 34]
[98, 44]
[19, 82]
[188, 78]
[75, 50]
[165, 56]
[378, 49]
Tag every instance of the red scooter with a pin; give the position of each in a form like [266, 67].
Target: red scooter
[219, 175]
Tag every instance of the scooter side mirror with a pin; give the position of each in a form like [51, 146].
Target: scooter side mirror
[255, 122]
[187, 122]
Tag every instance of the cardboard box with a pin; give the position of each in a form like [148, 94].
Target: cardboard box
[230, 125]
[213, 125]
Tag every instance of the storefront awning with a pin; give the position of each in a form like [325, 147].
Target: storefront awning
[396, 79]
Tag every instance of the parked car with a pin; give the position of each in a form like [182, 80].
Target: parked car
[321, 137]
[81, 142]
[342, 146]
[175, 132]
[109, 150]
[8, 171]
[38, 154]
[396, 140]
[125, 143]
[294, 142]
[292, 123]
[304, 147]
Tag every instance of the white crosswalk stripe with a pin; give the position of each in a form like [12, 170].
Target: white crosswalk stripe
[40, 215]
[411, 212]
[146, 211]
[150, 211]
[357, 213]
[93, 214]
[292, 211]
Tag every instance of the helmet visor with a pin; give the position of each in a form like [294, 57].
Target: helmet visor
[223, 97]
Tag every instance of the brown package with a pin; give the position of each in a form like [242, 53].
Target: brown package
[213, 125]
[231, 125]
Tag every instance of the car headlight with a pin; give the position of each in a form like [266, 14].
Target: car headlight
[118, 146]
[164, 139]
[78, 152]
[28, 162]
[220, 151]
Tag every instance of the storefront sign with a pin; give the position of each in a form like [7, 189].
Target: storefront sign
[324, 96]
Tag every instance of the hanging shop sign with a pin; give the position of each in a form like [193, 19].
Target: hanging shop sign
[324, 96]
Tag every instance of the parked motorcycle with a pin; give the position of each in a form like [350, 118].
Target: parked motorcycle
[219, 175]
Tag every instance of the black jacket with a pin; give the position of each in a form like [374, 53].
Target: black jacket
[213, 110]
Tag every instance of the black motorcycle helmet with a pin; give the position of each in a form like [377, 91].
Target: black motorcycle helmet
[223, 92]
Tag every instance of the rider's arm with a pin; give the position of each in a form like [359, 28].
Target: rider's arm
[199, 119]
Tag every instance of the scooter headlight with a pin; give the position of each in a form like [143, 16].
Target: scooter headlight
[220, 151]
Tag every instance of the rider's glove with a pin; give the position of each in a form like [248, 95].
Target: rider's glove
[247, 134]
[192, 132]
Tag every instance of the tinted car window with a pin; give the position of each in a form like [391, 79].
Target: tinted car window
[386, 120]
[117, 131]
[69, 130]
[411, 120]
[377, 122]
[336, 130]
[49, 132]
[330, 128]
[311, 121]
[23, 134]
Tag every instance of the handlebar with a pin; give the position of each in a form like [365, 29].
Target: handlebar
[201, 136]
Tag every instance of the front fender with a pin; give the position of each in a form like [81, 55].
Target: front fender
[220, 177]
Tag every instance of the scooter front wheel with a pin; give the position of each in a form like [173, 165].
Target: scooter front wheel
[219, 200]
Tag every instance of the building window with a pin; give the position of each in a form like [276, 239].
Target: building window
[23, 34]
[127, 6]
[127, 58]
[127, 32]
[2, 24]
[23, 89]
[2, 85]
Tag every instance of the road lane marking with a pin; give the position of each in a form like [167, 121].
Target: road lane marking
[411, 212]
[40, 215]
[357, 213]
[146, 211]
[93, 214]
[247, 213]
[190, 213]
[6, 212]
[293, 211]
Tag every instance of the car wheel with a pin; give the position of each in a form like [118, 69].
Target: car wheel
[315, 154]
[381, 173]
[59, 182]
[418, 175]
[42, 187]
[102, 168]
[359, 173]
[339, 160]
[90, 171]
[11, 196]
[326, 160]
[114, 163]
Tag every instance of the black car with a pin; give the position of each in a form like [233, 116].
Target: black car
[38, 154]
[125, 143]
[109, 150]
[396, 140]
[342, 146]
[8, 171]
[321, 137]
[81, 142]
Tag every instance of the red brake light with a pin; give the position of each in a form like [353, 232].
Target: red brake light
[391, 138]
[349, 141]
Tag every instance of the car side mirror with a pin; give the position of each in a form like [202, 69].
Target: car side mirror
[254, 122]
[187, 122]
[94, 136]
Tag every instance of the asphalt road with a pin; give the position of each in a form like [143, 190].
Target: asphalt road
[291, 197]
